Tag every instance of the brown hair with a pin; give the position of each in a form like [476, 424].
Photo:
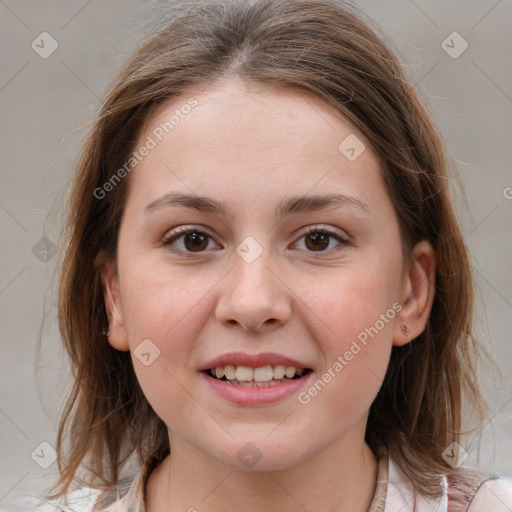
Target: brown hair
[321, 47]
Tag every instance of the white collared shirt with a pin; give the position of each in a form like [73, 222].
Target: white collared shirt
[394, 493]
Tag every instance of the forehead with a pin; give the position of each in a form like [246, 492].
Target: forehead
[273, 114]
[266, 139]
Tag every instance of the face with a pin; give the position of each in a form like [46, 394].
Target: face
[259, 274]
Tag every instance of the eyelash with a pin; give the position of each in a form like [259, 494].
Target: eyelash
[315, 229]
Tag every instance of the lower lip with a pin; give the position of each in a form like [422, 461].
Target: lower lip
[244, 395]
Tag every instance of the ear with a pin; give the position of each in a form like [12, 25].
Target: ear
[417, 294]
[117, 334]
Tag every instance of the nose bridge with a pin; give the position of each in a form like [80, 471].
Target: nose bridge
[252, 273]
[253, 295]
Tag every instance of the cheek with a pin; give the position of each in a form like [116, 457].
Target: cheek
[357, 310]
[352, 299]
[159, 302]
[355, 358]
[160, 308]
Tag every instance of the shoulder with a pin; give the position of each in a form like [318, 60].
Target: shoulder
[494, 495]
[80, 500]
[468, 490]
[126, 496]
[477, 490]
[84, 499]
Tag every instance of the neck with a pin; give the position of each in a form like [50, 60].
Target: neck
[341, 478]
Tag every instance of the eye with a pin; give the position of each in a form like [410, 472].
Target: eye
[193, 239]
[317, 238]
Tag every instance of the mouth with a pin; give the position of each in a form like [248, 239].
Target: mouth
[257, 377]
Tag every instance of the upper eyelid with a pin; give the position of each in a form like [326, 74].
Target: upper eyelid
[185, 229]
[322, 227]
[180, 230]
[312, 228]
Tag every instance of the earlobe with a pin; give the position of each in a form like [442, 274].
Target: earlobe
[117, 335]
[417, 295]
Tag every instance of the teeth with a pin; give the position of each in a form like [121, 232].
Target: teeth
[229, 372]
[263, 374]
[244, 373]
[279, 371]
[289, 372]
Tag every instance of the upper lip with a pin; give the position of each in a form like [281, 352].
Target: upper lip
[254, 360]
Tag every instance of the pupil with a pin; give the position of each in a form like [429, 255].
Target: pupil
[318, 237]
[320, 241]
[195, 238]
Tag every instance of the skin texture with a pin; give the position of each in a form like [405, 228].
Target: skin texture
[252, 147]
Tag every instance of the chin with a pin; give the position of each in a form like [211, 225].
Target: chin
[258, 454]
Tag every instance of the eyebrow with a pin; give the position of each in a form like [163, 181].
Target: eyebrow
[294, 204]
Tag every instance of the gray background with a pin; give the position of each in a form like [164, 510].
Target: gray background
[46, 105]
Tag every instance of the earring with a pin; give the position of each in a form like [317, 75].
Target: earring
[106, 333]
[406, 332]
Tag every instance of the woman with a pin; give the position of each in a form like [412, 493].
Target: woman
[265, 293]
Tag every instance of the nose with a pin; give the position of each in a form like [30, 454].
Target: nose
[253, 297]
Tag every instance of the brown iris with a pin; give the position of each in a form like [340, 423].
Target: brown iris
[198, 241]
[320, 241]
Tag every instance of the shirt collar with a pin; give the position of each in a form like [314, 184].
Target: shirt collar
[393, 491]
